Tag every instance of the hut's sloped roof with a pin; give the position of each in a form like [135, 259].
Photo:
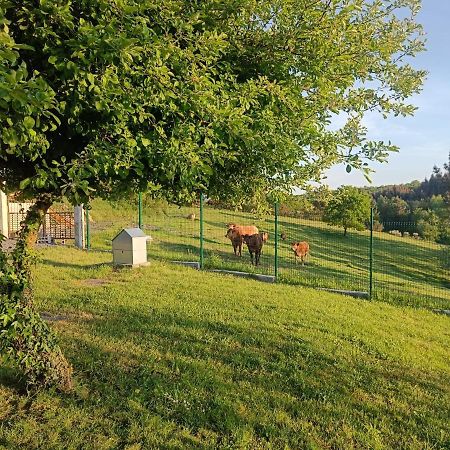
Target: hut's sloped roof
[130, 232]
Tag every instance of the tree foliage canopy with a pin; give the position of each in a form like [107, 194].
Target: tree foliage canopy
[392, 209]
[438, 184]
[349, 208]
[175, 96]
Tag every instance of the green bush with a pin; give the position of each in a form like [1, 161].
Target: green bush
[25, 339]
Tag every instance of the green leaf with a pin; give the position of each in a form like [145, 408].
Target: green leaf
[24, 183]
[40, 182]
[28, 122]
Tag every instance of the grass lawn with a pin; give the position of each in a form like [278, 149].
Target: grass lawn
[168, 357]
[406, 271]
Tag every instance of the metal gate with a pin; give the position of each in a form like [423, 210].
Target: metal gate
[58, 224]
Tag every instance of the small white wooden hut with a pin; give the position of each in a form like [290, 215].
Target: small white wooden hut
[130, 248]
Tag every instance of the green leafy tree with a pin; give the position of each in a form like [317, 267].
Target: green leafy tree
[392, 209]
[296, 206]
[173, 97]
[428, 223]
[349, 208]
[320, 197]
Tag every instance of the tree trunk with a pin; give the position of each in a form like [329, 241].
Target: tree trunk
[34, 219]
[28, 236]
[30, 343]
[345, 231]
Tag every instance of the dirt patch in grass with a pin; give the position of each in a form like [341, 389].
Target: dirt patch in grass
[49, 317]
[95, 282]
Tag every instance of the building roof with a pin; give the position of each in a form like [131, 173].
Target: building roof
[131, 232]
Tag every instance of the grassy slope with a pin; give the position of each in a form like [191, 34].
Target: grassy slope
[167, 357]
[406, 271]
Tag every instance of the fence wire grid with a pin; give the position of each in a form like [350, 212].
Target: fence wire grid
[394, 267]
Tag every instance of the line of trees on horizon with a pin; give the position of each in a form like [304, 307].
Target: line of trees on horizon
[416, 207]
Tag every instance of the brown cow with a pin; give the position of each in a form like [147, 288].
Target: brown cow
[244, 230]
[255, 244]
[236, 234]
[301, 250]
[236, 240]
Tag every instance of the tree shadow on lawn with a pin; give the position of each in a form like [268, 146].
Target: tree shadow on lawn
[218, 226]
[353, 273]
[391, 257]
[80, 265]
[10, 378]
[226, 257]
[204, 374]
[217, 242]
[230, 216]
[174, 249]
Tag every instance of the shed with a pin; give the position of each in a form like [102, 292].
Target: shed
[130, 247]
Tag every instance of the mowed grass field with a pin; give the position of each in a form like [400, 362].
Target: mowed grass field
[167, 357]
[406, 271]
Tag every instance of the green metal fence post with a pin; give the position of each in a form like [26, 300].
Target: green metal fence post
[140, 221]
[88, 229]
[201, 231]
[276, 241]
[371, 256]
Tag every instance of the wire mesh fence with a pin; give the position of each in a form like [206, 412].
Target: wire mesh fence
[394, 265]
[408, 269]
[332, 260]
[175, 232]
[218, 248]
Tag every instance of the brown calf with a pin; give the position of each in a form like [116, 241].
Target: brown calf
[301, 250]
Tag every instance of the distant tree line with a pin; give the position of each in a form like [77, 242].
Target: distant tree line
[437, 185]
[417, 207]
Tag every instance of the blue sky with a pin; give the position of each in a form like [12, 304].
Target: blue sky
[424, 140]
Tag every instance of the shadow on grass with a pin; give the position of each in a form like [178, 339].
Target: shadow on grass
[53, 263]
[10, 378]
[170, 248]
[216, 225]
[205, 374]
[403, 260]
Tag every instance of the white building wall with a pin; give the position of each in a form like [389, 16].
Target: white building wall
[4, 216]
[14, 222]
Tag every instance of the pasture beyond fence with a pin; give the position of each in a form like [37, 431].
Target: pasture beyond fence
[393, 267]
